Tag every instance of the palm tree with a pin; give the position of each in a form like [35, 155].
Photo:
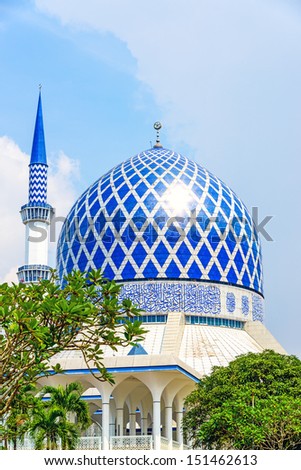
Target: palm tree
[16, 423]
[49, 426]
[69, 400]
[14, 428]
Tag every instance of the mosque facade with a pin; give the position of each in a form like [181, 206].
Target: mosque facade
[186, 251]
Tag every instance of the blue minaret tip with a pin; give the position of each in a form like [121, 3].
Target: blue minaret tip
[38, 152]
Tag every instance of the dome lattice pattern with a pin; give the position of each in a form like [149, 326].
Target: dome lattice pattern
[159, 215]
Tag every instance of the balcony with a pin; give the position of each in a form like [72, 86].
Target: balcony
[35, 212]
[33, 273]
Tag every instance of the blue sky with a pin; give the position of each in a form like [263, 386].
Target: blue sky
[222, 75]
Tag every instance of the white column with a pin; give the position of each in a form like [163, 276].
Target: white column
[179, 418]
[168, 425]
[105, 426]
[144, 426]
[112, 420]
[132, 423]
[157, 424]
[119, 421]
[36, 244]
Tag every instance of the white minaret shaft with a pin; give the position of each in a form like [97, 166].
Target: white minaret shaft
[36, 214]
[36, 245]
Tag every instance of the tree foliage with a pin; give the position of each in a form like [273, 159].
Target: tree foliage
[40, 320]
[56, 422]
[61, 419]
[49, 426]
[253, 403]
[14, 427]
[69, 399]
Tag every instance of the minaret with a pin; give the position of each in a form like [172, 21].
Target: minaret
[36, 214]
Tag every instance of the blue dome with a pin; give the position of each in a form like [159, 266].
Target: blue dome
[159, 215]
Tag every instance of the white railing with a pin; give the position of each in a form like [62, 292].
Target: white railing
[24, 444]
[83, 443]
[89, 443]
[176, 445]
[164, 443]
[167, 445]
[131, 443]
[116, 443]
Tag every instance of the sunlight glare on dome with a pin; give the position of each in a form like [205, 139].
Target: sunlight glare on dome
[177, 199]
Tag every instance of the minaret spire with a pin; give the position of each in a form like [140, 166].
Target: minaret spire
[36, 214]
[38, 161]
[38, 152]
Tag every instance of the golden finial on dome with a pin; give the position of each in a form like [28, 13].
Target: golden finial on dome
[157, 127]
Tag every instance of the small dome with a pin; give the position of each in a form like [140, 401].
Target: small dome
[159, 215]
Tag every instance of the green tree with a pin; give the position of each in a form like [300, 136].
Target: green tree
[15, 424]
[28, 409]
[69, 400]
[49, 426]
[253, 403]
[38, 321]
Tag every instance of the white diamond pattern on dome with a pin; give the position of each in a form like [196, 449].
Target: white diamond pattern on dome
[159, 215]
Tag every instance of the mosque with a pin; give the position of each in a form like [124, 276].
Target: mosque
[186, 251]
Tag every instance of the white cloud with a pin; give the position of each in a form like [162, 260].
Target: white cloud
[13, 190]
[11, 275]
[63, 173]
[217, 69]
